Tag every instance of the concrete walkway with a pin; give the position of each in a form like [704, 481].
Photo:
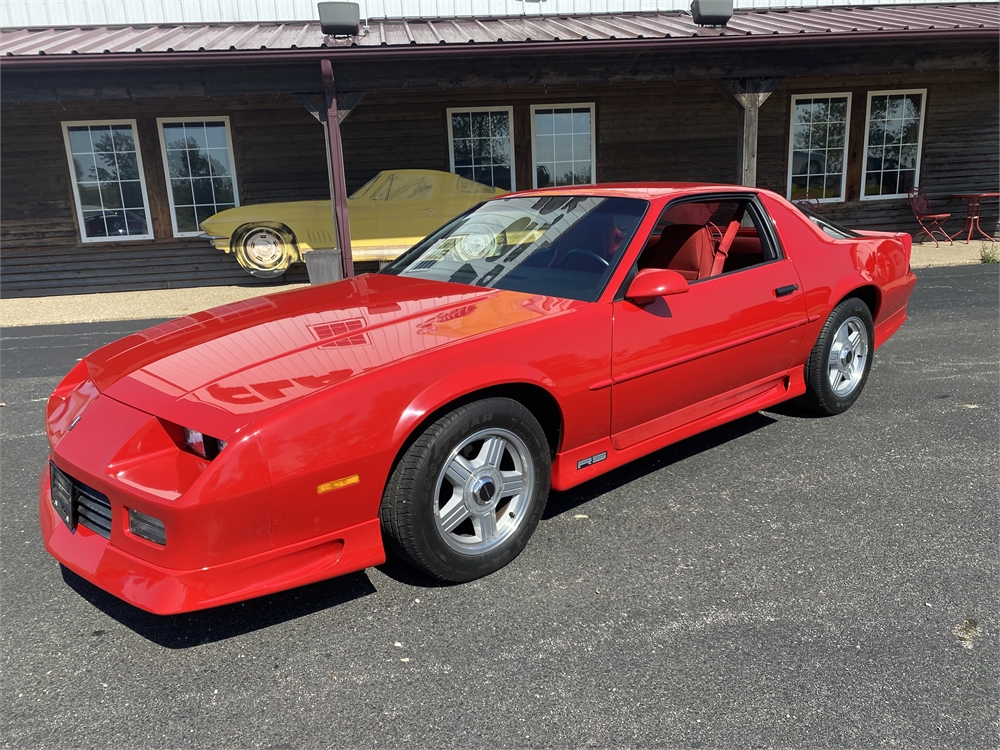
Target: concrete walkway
[925, 255]
[157, 303]
[172, 303]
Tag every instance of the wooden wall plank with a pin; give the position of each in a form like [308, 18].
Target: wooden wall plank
[645, 131]
[961, 147]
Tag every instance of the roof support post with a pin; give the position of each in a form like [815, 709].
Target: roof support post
[338, 188]
[748, 94]
[346, 103]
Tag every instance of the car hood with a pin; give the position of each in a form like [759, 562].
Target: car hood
[217, 370]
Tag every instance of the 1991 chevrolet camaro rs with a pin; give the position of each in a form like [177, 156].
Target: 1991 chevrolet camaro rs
[536, 341]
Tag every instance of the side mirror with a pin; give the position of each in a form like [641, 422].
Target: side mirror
[651, 283]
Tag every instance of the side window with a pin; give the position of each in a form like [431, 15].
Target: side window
[700, 239]
[381, 193]
[410, 187]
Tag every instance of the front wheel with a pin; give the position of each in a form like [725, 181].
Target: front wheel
[466, 496]
[264, 251]
[838, 366]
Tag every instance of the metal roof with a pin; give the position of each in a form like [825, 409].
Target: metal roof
[805, 24]
[23, 13]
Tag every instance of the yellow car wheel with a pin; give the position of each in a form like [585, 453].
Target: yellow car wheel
[264, 250]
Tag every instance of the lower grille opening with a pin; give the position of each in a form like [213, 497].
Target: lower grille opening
[93, 509]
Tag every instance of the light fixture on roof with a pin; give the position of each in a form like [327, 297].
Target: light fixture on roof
[340, 19]
[710, 12]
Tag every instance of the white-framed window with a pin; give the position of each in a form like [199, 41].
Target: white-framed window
[108, 183]
[481, 144]
[817, 147]
[562, 144]
[894, 133]
[200, 171]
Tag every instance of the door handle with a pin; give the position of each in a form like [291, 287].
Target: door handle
[784, 291]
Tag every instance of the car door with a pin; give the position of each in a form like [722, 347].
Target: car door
[731, 336]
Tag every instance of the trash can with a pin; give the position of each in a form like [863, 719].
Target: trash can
[323, 266]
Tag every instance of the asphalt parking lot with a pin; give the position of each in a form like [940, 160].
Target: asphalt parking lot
[780, 582]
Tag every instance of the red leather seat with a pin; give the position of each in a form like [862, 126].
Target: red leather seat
[685, 248]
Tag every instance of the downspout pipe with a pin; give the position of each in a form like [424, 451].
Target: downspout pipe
[338, 179]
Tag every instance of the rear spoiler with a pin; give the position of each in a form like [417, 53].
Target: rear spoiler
[904, 239]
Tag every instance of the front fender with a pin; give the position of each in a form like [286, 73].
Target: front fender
[462, 383]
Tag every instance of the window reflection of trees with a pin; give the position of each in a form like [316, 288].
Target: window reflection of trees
[199, 165]
[187, 160]
[562, 148]
[481, 143]
[113, 160]
[818, 139]
[893, 141]
[108, 183]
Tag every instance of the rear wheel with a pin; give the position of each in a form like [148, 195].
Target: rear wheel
[468, 493]
[838, 366]
[264, 251]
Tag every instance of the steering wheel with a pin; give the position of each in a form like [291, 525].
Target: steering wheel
[603, 263]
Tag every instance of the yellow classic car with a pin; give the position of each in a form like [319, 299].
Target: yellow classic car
[392, 212]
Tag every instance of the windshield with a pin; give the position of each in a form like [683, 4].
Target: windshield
[832, 228]
[366, 187]
[556, 245]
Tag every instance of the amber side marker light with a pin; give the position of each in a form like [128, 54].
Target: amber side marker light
[338, 484]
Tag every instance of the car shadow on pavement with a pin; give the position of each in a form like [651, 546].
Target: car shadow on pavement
[562, 502]
[793, 409]
[402, 572]
[220, 623]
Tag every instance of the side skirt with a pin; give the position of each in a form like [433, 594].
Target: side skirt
[565, 473]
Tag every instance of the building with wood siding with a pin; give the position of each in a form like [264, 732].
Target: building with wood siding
[855, 106]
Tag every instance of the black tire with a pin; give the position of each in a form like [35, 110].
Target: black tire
[422, 498]
[264, 250]
[832, 387]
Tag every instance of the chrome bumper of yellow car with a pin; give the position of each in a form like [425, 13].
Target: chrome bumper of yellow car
[219, 241]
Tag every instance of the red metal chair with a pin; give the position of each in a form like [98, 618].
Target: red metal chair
[929, 222]
[811, 204]
[807, 200]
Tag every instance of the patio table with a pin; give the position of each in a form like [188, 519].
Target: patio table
[972, 210]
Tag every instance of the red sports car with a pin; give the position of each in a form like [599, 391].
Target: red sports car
[536, 341]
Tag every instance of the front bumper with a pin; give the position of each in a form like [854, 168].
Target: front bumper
[219, 241]
[164, 591]
[216, 515]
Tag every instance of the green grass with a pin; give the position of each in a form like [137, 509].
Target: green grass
[989, 254]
